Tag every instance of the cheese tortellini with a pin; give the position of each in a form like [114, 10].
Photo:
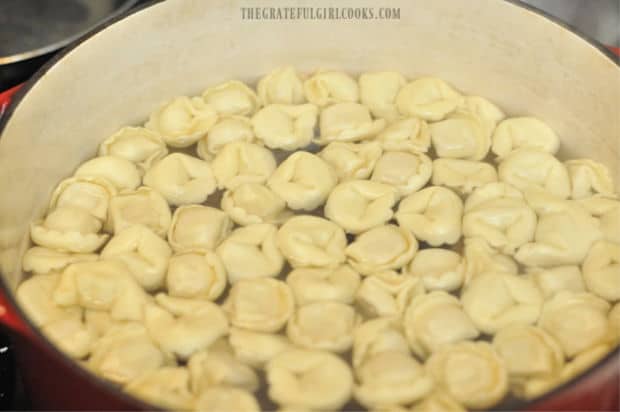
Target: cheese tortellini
[93, 194]
[283, 85]
[256, 348]
[43, 261]
[260, 304]
[143, 206]
[122, 173]
[198, 227]
[381, 248]
[311, 285]
[462, 175]
[224, 398]
[429, 98]
[471, 372]
[167, 386]
[303, 180]
[251, 203]
[352, 160]
[378, 91]
[183, 121]
[359, 205]
[495, 300]
[433, 214]
[524, 132]
[479, 257]
[181, 179]
[242, 162]
[227, 130]
[251, 252]
[387, 293]
[378, 335]
[140, 146]
[210, 368]
[347, 122]
[35, 296]
[329, 87]
[323, 325]
[286, 127]
[435, 320]
[309, 379]
[409, 134]
[231, 98]
[461, 135]
[438, 269]
[601, 270]
[196, 274]
[555, 279]
[588, 178]
[407, 172]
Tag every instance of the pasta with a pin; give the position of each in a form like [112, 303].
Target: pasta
[223, 398]
[231, 98]
[352, 160]
[378, 335]
[196, 275]
[329, 87]
[93, 194]
[44, 261]
[181, 179]
[601, 268]
[347, 122]
[479, 257]
[283, 85]
[387, 293]
[241, 162]
[429, 98]
[407, 172]
[35, 296]
[251, 203]
[461, 135]
[251, 252]
[433, 214]
[143, 206]
[589, 178]
[182, 121]
[141, 146]
[311, 285]
[198, 227]
[378, 92]
[168, 387]
[381, 248]
[227, 130]
[359, 205]
[210, 368]
[286, 127]
[120, 172]
[256, 348]
[438, 269]
[552, 280]
[303, 180]
[462, 175]
[409, 134]
[524, 132]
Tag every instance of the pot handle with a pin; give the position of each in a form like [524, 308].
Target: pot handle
[10, 319]
[5, 97]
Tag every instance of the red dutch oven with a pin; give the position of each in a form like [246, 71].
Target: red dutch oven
[514, 55]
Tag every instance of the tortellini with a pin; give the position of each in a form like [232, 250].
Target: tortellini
[196, 275]
[286, 127]
[260, 304]
[429, 98]
[282, 85]
[303, 180]
[184, 326]
[309, 379]
[471, 372]
[488, 114]
[378, 92]
[212, 368]
[438, 401]
[391, 377]
[181, 179]
[323, 325]
[167, 387]
[140, 146]
[381, 248]
[494, 300]
[534, 169]
[143, 206]
[438, 269]
[479, 257]
[528, 352]
[227, 130]
[257, 348]
[311, 285]
[68, 229]
[352, 160]
[251, 252]
[359, 205]
[433, 214]
[198, 227]
[144, 253]
[498, 213]
[588, 178]
[462, 175]
[407, 172]
[224, 398]
[460, 136]
[435, 320]
[409, 134]
[378, 335]
[182, 121]
[524, 132]
[93, 194]
[563, 236]
[251, 203]
[566, 317]
[126, 352]
[231, 98]
[102, 285]
[43, 261]
[328, 87]
[35, 296]
[122, 173]
[71, 335]
[387, 293]
[601, 270]
[552, 280]
[347, 122]
[241, 162]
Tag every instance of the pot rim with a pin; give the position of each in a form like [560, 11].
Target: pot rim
[102, 384]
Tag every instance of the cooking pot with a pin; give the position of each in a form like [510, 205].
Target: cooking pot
[516, 57]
